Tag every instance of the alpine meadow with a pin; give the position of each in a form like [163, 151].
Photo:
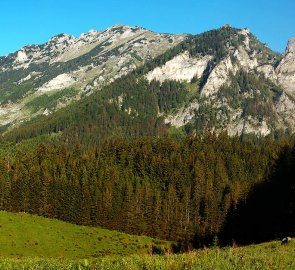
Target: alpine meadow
[125, 148]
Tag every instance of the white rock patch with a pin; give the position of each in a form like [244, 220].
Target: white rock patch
[181, 68]
[248, 126]
[183, 116]
[245, 61]
[268, 72]
[21, 57]
[285, 104]
[245, 32]
[25, 79]
[286, 110]
[219, 76]
[291, 45]
[128, 33]
[286, 69]
[59, 82]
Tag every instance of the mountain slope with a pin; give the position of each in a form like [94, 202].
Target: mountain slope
[237, 84]
[286, 69]
[224, 79]
[39, 79]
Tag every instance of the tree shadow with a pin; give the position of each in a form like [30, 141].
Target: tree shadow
[268, 212]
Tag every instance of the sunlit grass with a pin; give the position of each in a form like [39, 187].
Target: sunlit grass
[265, 256]
[32, 242]
[24, 235]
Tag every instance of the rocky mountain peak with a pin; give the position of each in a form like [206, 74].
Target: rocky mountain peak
[226, 26]
[60, 38]
[291, 45]
[286, 69]
[117, 27]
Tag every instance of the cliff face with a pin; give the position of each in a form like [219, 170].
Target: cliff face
[286, 69]
[244, 91]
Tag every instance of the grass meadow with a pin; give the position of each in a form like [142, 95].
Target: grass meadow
[32, 242]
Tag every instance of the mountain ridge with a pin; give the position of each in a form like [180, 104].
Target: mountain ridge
[232, 81]
[85, 62]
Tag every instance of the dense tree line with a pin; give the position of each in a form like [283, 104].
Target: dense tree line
[180, 189]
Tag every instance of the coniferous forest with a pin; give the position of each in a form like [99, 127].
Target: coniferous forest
[193, 190]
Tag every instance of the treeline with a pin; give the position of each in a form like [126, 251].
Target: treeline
[163, 187]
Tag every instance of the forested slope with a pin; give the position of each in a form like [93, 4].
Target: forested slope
[177, 189]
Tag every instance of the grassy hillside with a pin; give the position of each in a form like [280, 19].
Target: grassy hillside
[32, 242]
[264, 256]
[24, 235]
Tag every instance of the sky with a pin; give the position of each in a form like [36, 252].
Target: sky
[26, 22]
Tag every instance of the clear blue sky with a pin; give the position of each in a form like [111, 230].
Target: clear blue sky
[35, 21]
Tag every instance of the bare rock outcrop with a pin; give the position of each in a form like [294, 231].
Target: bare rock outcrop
[286, 69]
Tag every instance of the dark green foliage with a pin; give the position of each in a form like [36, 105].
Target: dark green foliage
[13, 93]
[169, 94]
[269, 211]
[12, 76]
[167, 188]
[264, 54]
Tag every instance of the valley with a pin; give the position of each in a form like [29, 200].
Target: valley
[123, 147]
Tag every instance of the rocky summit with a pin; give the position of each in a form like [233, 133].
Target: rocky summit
[230, 80]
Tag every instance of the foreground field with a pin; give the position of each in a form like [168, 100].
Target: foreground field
[24, 235]
[32, 242]
[264, 256]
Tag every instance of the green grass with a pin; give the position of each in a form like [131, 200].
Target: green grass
[10, 149]
[32, 242]
[264, 256]
[50, 100]
[24, 235]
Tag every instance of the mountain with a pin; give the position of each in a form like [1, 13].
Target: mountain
[39, 79]
[223, 79]
[247, 89]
